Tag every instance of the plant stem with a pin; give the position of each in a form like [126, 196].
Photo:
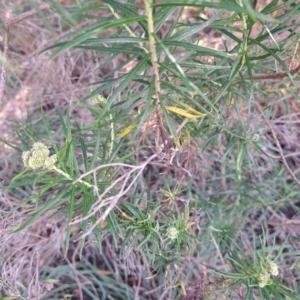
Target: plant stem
[243, 50]
[70, 178]
[152, 46]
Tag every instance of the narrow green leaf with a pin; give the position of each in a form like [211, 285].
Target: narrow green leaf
[200, 49]
[48, 131]
[12, 146]
[194, 29]
[217, 5]
[272, 53]
[141, 65]
[70, 216]
[99, 28]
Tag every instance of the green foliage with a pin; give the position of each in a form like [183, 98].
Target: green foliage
[258, 271]
[219, 177]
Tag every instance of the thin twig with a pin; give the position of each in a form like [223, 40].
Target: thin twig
[293, 72]
[109, 203]
[7, 24]
[278, 75]
[182, 125]
[217, 248]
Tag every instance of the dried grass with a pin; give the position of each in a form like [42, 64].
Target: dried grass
[32, 80]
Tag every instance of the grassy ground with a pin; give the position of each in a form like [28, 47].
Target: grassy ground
[228, 189]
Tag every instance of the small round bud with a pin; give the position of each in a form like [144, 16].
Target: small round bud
[255, 137]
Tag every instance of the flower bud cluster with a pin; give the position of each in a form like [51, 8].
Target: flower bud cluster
[38, 157]
[172, 233]
[263, 279]
[270, 268]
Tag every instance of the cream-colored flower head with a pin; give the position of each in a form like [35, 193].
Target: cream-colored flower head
[263, 279]
[50, 161]
[172, 233]
[38, 157]
[271, 268]
[40, 146]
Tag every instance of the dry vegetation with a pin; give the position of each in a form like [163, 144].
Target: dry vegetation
[34, 79]
[29, 257]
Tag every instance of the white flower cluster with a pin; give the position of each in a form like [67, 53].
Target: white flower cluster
[38, 157]
[269, 268]
[263, 279]
[172, 233]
